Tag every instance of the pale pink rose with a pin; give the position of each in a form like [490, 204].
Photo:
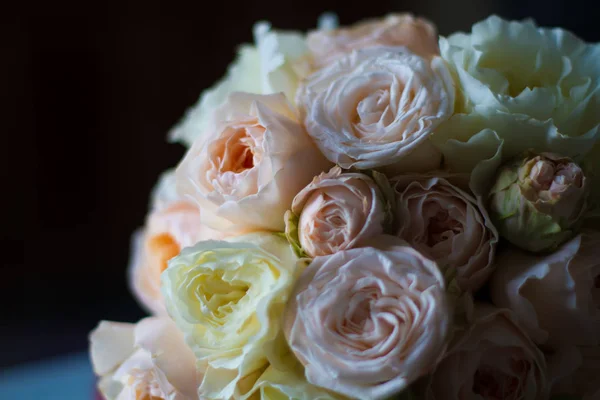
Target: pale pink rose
[492, 359]
[448, 225]
[172, 224]
[147, 360]
[338, 211]
[368, 322]
[583, 381]
[557, 296]
[418, 34]
[376, 107]
[244, 171]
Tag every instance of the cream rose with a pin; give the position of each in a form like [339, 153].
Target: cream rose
[276, 62]
[557, 296]
[228, 298]
[519, 69]
[417, 34]
[368, 322]
[377, 106]
[247, 167]
[336, 211]
[148, 360]
[448, 225]
[172, 224]
[492, 359]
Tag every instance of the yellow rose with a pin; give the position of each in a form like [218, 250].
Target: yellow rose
[228, 298]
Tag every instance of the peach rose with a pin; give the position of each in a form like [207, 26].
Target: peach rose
[418, 34]
[368, 322]
[377, 107]
[557, 296]
[172, 224]
[148, 360]
[245, 170]
[448, 225]
[337, 211]
[492, 359]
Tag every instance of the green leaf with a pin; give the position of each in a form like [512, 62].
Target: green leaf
[291, 233]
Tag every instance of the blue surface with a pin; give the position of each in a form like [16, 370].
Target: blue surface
[64, 378]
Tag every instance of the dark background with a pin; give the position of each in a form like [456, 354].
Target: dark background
[88, 91]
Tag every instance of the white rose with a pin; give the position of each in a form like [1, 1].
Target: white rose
[377, 107]
[147, 360]
[248, 165]
[276, 63]
[517, 68]
[556, 296]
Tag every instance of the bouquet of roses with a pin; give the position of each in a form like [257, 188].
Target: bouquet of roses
[373, 212]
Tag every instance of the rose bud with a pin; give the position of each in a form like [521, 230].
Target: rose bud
[537, 201]
[336, 211]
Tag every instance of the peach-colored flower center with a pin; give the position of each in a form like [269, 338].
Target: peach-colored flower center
[493, 384]
[145, 386]
[163, 247]
[240, 153]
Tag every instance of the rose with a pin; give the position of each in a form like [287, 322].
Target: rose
[367, 322]
[228, 297]
[537, 201]
[417, 34]
[275, 63]
[492, 359]
[172, 224]
[246, 169]
[555, 297]
[147, 360]
[583, 382]
[285, 380]
[336, 211]
[448, 225]
[519, 69]
[376, 106]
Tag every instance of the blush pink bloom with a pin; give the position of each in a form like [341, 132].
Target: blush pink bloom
[491, 359]
[368, 322]
[245, 169]
[556, 296]
[147, 360]
[172, 224]
[338, 211]
[448, 225]
[417, 34]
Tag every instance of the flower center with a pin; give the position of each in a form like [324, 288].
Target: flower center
[145, 386]
[240, 155]
[492, 384]
[219, 296]
[163, 247]
[441, 228]
[542, 175]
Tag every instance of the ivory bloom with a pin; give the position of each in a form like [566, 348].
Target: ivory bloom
[148, 360]
[249, 164]
[228, 298]
[368, 322]
[492, 359]
[337, 211]
[417, 34]
[172, 224]
[276, 63]
[448, 225]
[556, 297]
[377, 106]
[519, 69]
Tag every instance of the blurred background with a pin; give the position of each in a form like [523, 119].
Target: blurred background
[88, 92]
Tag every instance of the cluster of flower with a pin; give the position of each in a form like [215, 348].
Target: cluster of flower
[371, 211]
